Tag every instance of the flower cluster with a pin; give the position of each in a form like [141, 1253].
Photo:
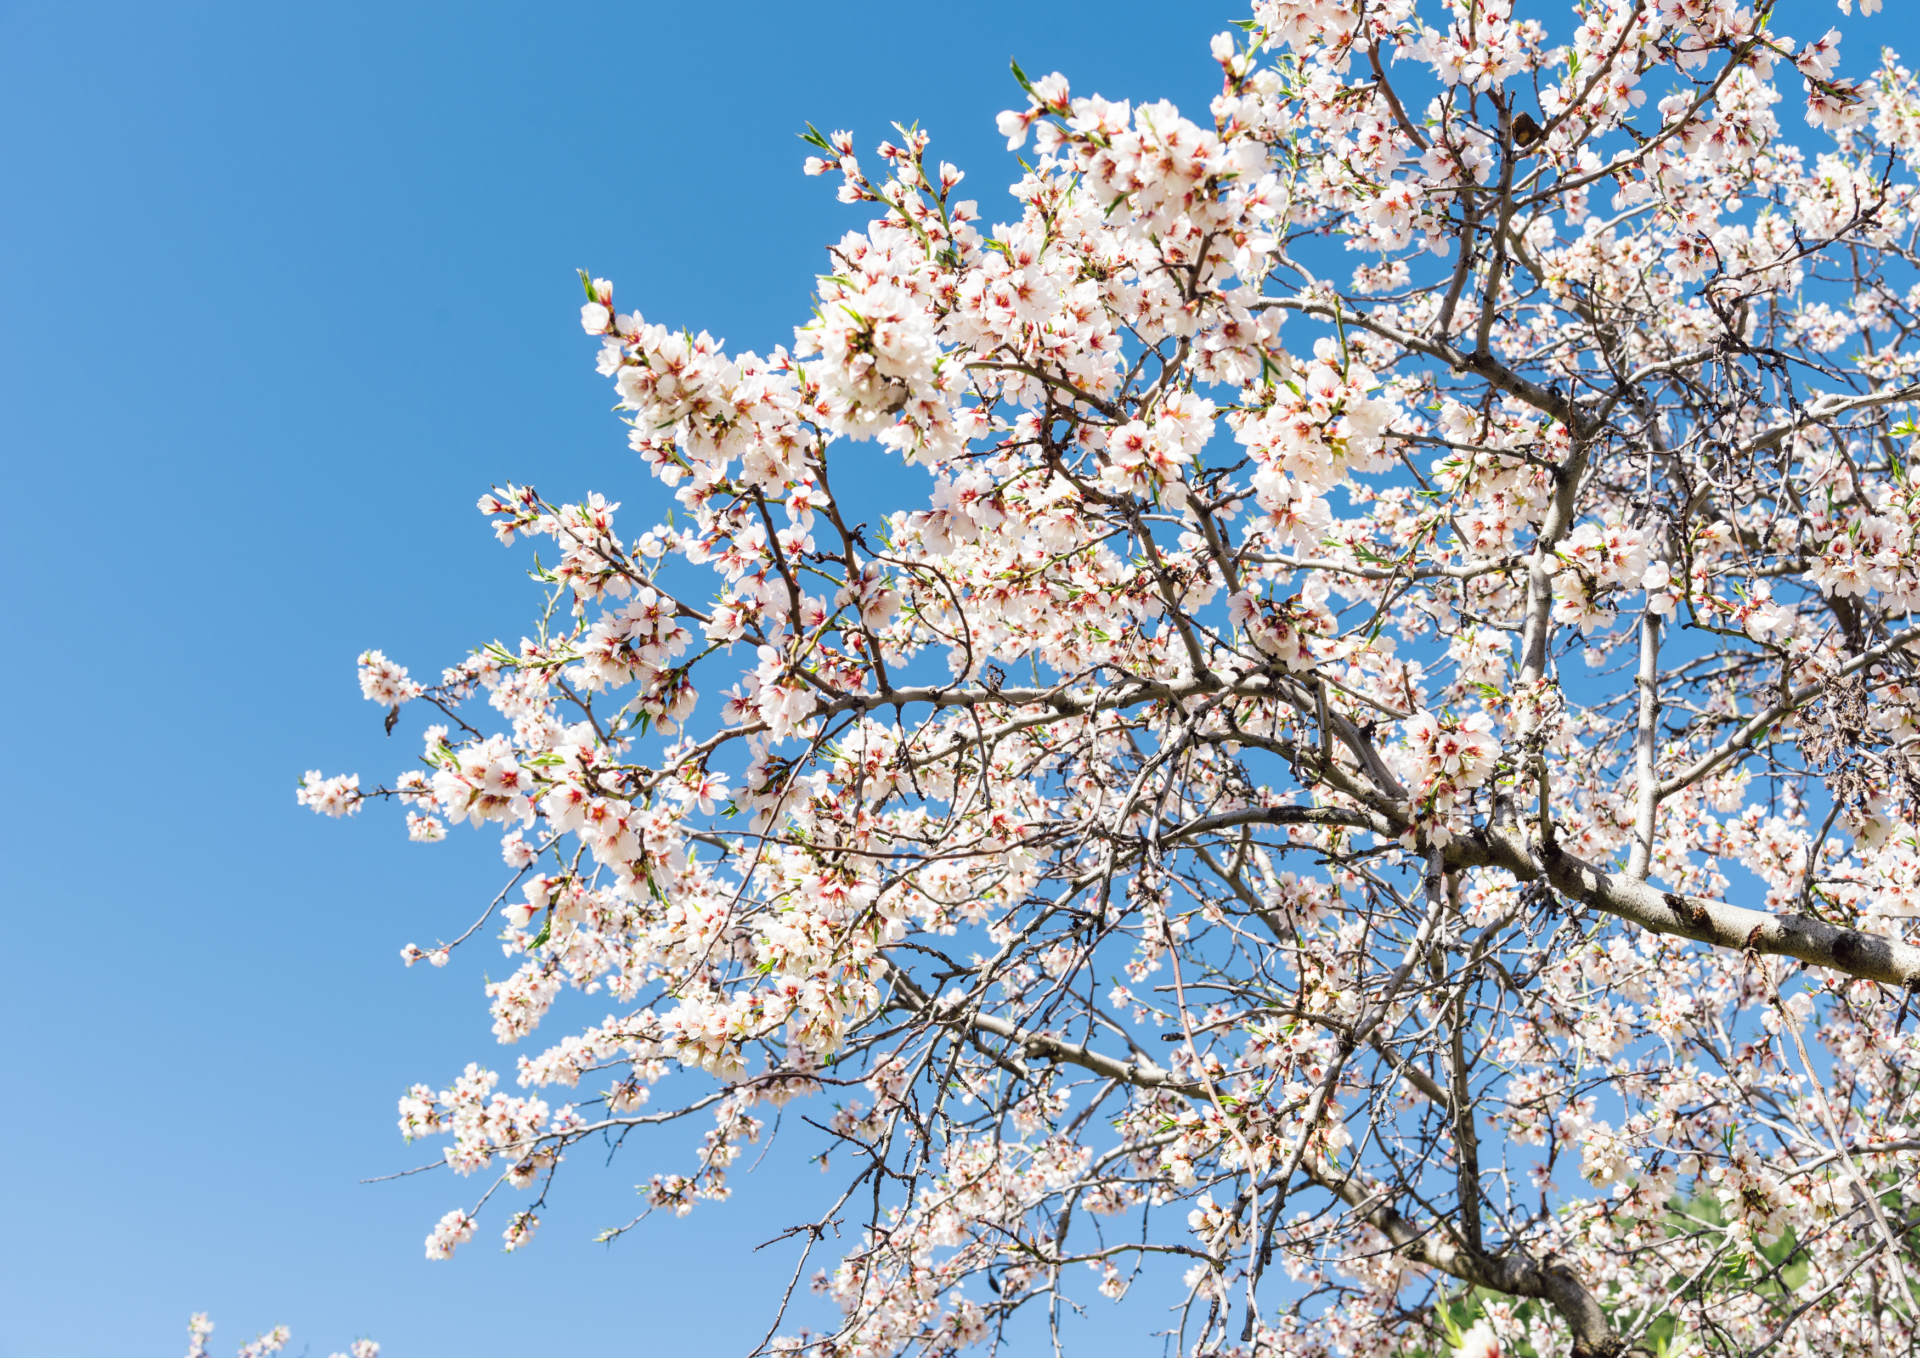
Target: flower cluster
[199, 1329]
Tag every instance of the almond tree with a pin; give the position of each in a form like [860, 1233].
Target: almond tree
[1379, 785]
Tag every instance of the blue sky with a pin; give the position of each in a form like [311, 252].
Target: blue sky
[282, 289]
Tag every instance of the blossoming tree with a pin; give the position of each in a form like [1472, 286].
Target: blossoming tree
[1375, 782]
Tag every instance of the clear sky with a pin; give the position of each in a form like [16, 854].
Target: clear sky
[282, 289]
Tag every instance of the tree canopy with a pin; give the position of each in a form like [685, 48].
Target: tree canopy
[1367, 765]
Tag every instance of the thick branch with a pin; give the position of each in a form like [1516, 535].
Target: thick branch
[1514, 1272]
[1646, 737]
[1725, 926]
[1826, 409]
